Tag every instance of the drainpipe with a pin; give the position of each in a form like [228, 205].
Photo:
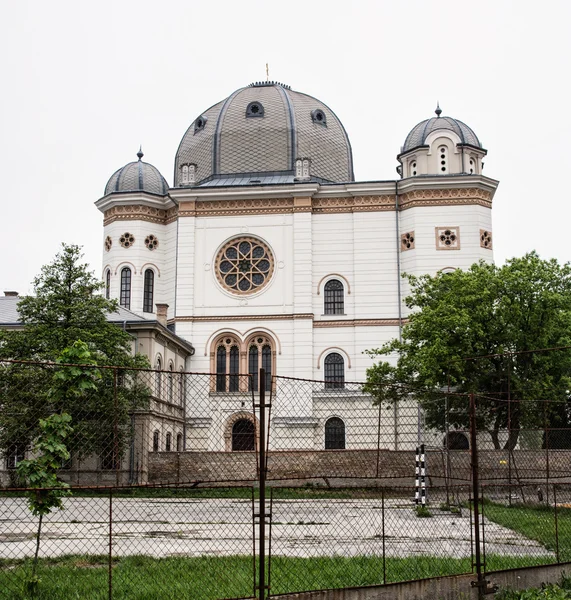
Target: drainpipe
[175, 258]
[399, 298]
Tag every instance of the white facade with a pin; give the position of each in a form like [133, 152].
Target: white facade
[363, 236]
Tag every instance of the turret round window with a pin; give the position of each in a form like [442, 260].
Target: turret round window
[244, 265]
[127, 240]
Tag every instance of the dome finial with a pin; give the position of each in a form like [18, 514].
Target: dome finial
[438, 110]
[140, 153]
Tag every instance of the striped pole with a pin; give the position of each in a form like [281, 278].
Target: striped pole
[420, 491]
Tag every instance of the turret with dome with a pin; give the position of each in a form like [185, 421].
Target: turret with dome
[266, 251]
[441, 146]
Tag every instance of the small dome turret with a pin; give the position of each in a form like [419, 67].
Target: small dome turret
[441, 146]
[137, 176]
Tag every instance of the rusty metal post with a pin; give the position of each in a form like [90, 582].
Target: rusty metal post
[110, 544]
[262, 483]
[547, 431]
[475, 496]
[383, 532]
[556, 524]
[378, 441]
[509, 432]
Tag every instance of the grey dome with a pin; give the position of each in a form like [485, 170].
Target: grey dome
[419, 133]
[137, 176]
[259, 131]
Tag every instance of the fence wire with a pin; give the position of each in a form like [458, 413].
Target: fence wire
[165, 470]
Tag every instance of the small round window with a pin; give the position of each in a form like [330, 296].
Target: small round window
[318, 116]
[199, 124]
[255, 109]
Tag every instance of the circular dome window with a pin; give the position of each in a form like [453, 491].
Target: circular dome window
[244, 265]
[254, 109]
[318, 116]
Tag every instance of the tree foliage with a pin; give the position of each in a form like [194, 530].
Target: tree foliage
[66, 307]
[474, 332]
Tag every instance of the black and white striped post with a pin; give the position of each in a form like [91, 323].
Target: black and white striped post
[420, 491]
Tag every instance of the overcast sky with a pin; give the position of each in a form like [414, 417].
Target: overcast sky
[84, 83]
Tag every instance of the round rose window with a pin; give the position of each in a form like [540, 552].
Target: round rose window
[244, 265]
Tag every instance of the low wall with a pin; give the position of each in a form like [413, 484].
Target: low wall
[496, 466]
[454, 587]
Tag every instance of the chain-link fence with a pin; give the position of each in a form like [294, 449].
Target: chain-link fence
[213, 486]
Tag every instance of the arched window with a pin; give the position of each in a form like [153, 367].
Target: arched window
[159, 377]
[243, 436]
[234, 369]
[125, 297]
[179, 442]
[334, 434]
[149, 291]
[108, 284]
[456, 440]
[443, 153]
[168, 442]
[171, 382]
[260, 346]
[155, 441]
[221, 369]
[180, 398]
[334, 366]
[334, 298]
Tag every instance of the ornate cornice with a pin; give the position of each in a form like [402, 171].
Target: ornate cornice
[353, 204]
[358, 323]
[445, 197]
[317, 205]
[278, 317]
[135, 212]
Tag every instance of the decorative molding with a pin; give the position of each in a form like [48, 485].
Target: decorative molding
[358, 323]
[334, 349]
[353, 204]
[447, 238]
[319, 205]
[131, 212]
[445, 197]
[407, 241]
[486, 239]
[278, 317]
[333, 276]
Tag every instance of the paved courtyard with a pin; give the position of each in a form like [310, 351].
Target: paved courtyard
[192, 527]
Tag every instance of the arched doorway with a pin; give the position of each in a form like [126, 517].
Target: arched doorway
[243, 436]
[457, 441]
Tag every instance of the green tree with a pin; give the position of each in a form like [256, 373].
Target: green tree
[484, 312]
[67, 306]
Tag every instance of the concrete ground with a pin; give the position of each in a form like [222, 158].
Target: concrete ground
[192, 527]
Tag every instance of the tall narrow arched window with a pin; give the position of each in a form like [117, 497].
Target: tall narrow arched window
[334, 434]
[267, 366]
[155, 441]
[149, 291]
[125, 297]
[168, 442]
[171, 382]
[243, 436]
[221, 369]
[180, 398]
[234, 380]
[159, 378]
[334, 367]
[179, 442]
[253, 361]
[334, 303]
[108, 284]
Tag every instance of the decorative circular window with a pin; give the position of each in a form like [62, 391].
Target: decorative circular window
[151, 242]
[244, 265]
[108, 243]
[127, 240]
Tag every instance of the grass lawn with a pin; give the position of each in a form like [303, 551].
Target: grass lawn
[536, 523]
[209, 578]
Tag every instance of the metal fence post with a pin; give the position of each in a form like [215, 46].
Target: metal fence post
[475, 497]
[262, 482]
[110, 543]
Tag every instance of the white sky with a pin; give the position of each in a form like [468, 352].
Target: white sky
[84, 83]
